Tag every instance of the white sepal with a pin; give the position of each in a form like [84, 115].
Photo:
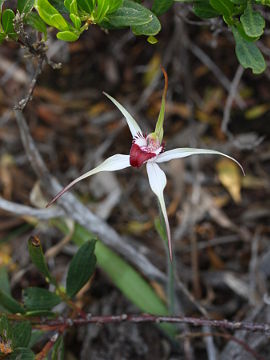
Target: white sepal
[113, 163]
[157, 181]
[132, 124]
[184, 152]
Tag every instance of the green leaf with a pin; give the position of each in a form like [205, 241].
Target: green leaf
[76, 21]
[38, 258]
[204, 10]
[67, 36]
[149, 29]
[50, 15]
[9, 303]
[58, 349]
[263, 2]
[239, 2]
[36, 336]
[7, 21]
[81, 268]
[223, 7]
[35, 298]
[21, 334]
[4, 281]
[161, 6]
[114, 5]
[2, 37]
[252, 21]
[22, 354]
[5, 328]
[41, 313]
[130, 14]
[25, 6]
[248, 54]
[86, 5]
[36, 22]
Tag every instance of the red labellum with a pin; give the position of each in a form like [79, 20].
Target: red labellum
[138, 157]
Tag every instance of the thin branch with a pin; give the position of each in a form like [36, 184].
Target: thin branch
[146, 318]
[222, 78]
[23, 102]
[232, 94]
[22, 210]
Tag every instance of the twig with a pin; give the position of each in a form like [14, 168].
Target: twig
[22, 210]
[229, 101]
[146, 318]
[23, 102]
[222, 78]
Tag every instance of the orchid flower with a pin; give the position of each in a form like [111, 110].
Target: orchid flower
[149, 150]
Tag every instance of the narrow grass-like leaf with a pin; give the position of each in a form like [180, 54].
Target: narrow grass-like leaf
[21, 334]
[35, 298]
[81, 268]
[38, 258]
[58, 349]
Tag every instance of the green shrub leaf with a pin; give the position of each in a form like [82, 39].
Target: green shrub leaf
[35, 298]
[248, 54]
[161, 6]
[21, 334]
[223, 7]
[203, 9]
[81, 268]
[22, 354]
[7, 21]
[67, 36]
[25, 6]
[150, 29]
[34, 20]
[130, 14]
[38, 258]
[50, 15]
[252, 21]
[86, 5]
[9, 303]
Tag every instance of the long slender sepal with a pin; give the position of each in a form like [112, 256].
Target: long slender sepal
[132, 123]
[184, 152]
[157, 181]
[159, 125]
[113, 163]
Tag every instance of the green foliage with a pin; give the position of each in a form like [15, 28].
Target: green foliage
[81, 268]
[35, 298]
[134, 14]
[21, 334]
[38, 258]
[248, 54]
[10, 304]
[246, 24]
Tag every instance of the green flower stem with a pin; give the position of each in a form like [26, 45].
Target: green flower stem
[161, 229]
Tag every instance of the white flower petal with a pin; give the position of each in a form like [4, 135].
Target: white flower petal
[157, 181]
[184, 152]
[113, 163]
[132, 124]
